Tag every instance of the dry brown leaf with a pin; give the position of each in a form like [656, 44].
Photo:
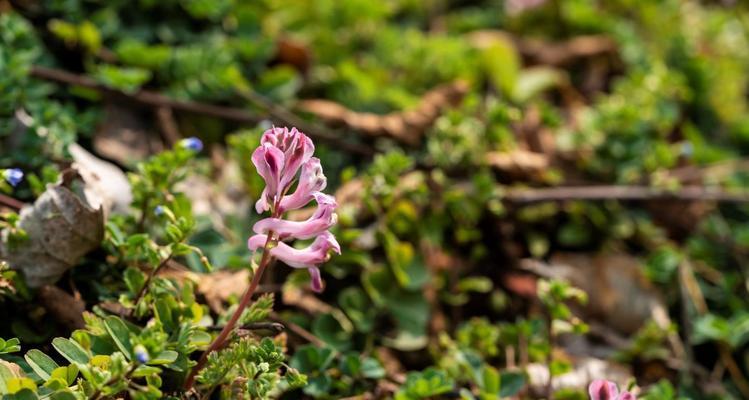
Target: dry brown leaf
[295, 296]
[406, 127]
[294, 53]
[518, 164]
[61, 229]
[549, 53]
[106, 185]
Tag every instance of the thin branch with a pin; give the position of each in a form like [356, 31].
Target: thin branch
[158, 100]
[276, 327]
[146, 97]
[153, 273]
[298, 330]
[614, 192]
[167, 124]
[11, 202]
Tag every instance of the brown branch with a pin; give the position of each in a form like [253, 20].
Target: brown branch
[159, 100]
[145, 97]
[11, 202]
[614, 192]
[298, 330]
[169, 129]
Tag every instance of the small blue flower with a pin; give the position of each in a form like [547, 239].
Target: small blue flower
[192, 143]
[158, 210]
[13, 176]
[141, 354]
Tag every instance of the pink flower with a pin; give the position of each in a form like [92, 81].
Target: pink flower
[515, 7]
[323, 218]
[282, 152]
[311, 180]
[309, 257]
[606, 390]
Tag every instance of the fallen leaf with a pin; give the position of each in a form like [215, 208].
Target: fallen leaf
[61, 228]
[406, 127]
[518, 164]
[106, 185]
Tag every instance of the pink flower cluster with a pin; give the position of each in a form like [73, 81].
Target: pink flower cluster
[606, 390]
[278, 159]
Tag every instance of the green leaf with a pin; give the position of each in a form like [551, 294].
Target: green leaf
[41, 363]
[71, 350]
[64, 394]
[511, 383]
[358, 308]
[165, 357]
[490, 381]
[23, 394]
[6, 374]
[308, 359]
[134, 279]
[10, 346]
[533, 81]
[66, 374]
[711, 327]
[372, 369]
[120, 334]
[327, 328]
[502, 65]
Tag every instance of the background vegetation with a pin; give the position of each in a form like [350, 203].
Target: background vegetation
[526, 188]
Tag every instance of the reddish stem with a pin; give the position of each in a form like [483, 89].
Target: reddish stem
[229, 327]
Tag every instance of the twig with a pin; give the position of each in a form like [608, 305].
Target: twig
[158, 100]
[146, 97]
[614, 192]
[165, 118]
[298, 330]
[276, 327]
[153, 272]
[11, 202]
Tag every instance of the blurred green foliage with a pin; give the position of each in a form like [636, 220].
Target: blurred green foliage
[673, 95]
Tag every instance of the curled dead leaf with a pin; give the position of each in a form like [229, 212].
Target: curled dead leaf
[406, 127]
[518, 164]
[106, 185]
[61, 228]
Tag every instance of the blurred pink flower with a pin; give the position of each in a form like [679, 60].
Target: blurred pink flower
[606, 390]
[514, 7]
